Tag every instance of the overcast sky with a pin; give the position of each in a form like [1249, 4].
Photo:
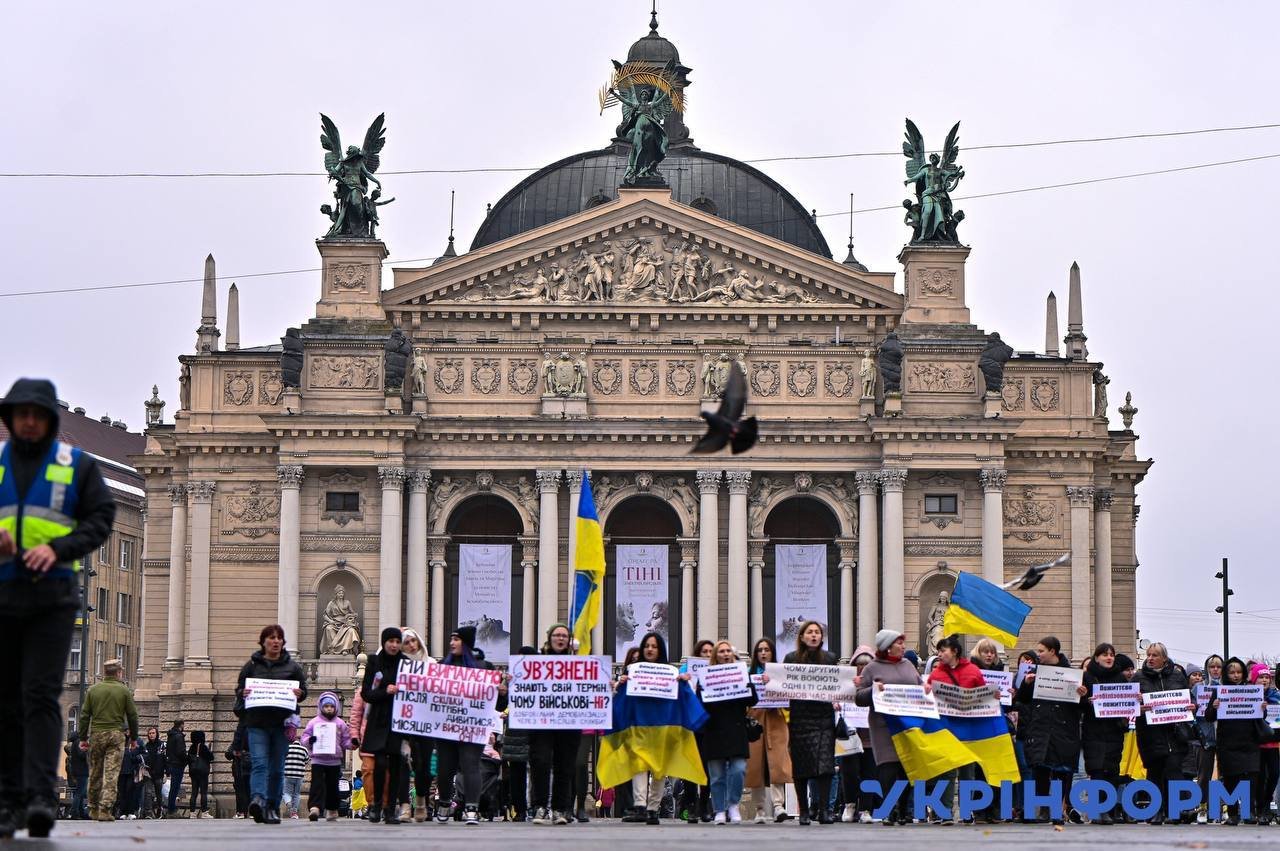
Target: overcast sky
[1177, 269]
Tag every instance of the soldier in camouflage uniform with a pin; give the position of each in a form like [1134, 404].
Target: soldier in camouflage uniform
[108, 708]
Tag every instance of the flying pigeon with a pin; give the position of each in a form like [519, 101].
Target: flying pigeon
[726, 425]
[1035, 573]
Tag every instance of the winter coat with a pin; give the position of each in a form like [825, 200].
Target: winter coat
[77, 760]
[1103, 738]
[199, 749]
[343, 740]
[901, 672]
[515, 745]
[812, 730]
[260, 667]
[1240, 742]
[1157, 741]
[965, 674]
[1207, 730]
[175, 748]
[357, 721]
[724, 736]
[1053, 731]
[155, 756]
[378, 674]
[773, 747]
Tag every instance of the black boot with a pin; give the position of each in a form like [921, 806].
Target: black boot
[392, 815]
[375, 815]
[257, 808]
[271, 816]
[41, 815]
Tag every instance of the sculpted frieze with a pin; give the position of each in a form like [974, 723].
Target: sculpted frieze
[522, 376]
[840, 378]
[802, 378]
[449, 375]
[644, 376]
[348, 276]
[765, 378]
[1013, 395]
[360, 372]
[935, 377]
[1028, 516]
[270, 388]
[1044, 394]
[251, 514]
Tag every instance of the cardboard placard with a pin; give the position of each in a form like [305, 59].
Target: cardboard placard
[1003, 683]
[1056, 683]
[1236, 702]
[446, 701]
[560, 693]
[653, 679]
[956, 702]
[765, 700]
[1116, 700]
[725, 682]
[1167, 707]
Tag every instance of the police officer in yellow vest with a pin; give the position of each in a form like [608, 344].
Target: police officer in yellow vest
[55, 509]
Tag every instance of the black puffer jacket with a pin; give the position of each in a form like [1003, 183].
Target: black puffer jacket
[1239, 739]
[812, 730]
[1103, 738]
[377, 730]
[1157, 741]
[724, 736]
[260, 667]
[1053, 731]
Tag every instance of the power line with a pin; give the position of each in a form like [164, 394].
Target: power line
[507, 169]
[486, 252]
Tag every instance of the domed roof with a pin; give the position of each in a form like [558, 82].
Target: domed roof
[653, 47]
[709, 182]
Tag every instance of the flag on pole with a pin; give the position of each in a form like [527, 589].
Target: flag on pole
[980, 608]
[588, 570]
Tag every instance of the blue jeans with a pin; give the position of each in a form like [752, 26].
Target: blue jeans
[726, 776]
[175, 786]
[292, 794]
[267, 749]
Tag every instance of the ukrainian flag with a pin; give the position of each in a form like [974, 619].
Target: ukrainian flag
[653, 734]
[980, 608]
[588, 575]
[989, 741]
[929, 747]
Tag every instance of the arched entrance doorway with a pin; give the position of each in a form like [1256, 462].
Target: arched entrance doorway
[646, 521]
[485, 519]
[802, 520]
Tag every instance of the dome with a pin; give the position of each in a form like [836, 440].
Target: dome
[709, 182]
[653, 47]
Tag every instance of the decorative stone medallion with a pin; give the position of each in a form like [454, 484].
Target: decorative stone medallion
[486, 375]
[523, 376]
[840, 379]
[765, 378]
[449, 375]
[607, 376]
[644, 377]
[681, 377]
[801, 379]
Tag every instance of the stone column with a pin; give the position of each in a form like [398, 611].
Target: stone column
[688, 604]
[177, 576]
[389, 566]
[436, 545]
[739, 483]
[993, 479]
[868, 559]
[416, 584]
[894, 592]
[1081, 499]
[708, 557]
[755, 563]
[1102, 570]
[548, 548]
[201, 526]
[290, 477]
[529, 599]
[847, 563]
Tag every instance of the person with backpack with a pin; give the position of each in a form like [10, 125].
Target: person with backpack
[199, 764]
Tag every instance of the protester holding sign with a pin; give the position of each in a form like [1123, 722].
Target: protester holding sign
[954, 669]
[1103, 738]
[552, 752]
[859, 766]
[1239, 741]
[888, 668]
[1052, 745]
[1269, 769]
[769, 764]
[328, 739]
[1163, 746]
[452, 755]
[378, 692]
[264, 725]
[696, 800]
[723, 739]
[812, 730]
[420, 747]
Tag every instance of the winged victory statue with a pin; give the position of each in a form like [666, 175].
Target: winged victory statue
[648, 96]
[355, 209]
[931, 214]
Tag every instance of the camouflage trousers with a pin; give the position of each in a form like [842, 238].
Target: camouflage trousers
[106, 747]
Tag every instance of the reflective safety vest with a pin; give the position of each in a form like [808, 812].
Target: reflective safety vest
[48, 510]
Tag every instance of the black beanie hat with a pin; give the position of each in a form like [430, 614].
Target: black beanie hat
[468, 636]
[390, 633]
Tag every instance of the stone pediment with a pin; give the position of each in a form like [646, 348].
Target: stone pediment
[641, 251]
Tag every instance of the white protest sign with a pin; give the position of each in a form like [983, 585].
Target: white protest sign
[1003, 683]
[826, 683]
[445, 701]
[764, 700]
[1054, 682]
[725, 682]
[853, 744]
[1024, 668]
[277, 694]
[1167, 707]
[956, 702]
[560, 693]
[911, 701]
[695, 665]
[1203, 695]
[1239, 702]
[1273, 714]
[325, 742]
[856, 716]
[1116, 700]
[652, 679]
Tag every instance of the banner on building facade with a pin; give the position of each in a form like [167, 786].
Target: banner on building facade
[801, 591]
[641, 572]
[446, 701]
[484, 597]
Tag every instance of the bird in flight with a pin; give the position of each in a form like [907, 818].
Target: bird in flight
[1035, 573]
[726, 427]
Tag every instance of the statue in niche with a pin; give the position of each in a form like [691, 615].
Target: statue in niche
[715, 375]
[992, 360]
[867, 373]
[184, 388]
[933, 626]
[341, 626]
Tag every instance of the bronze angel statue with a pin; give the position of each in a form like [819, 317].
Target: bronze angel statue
[931, 214]
[648, 98]
[355, 212]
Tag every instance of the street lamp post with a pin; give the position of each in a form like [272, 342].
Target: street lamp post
[1223, 610]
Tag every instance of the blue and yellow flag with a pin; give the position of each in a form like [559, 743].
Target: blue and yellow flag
[588, 570]
[929, 747]
[653, 734]
[989, 741]
[980, 608]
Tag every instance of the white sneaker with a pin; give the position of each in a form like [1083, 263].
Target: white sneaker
[1202, 818]
[865, 817]
[541, 816]
[735, 816]
[760, 817]
[850, 810]
[720, 818]
[471, 815]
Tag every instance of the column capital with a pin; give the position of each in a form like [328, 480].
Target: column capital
[708, 481]
[867, 481]
[1081, 496]
[548, 481]
[1103, 498]
[689, 551]
[435, 548]
[419, 481]
[755, 549]
[993, 478]
[892, 479]
[202, 491]
[178, 494]
[739, 481]
[392, 478]
[574, 478]
[290, 475]
[848, 550]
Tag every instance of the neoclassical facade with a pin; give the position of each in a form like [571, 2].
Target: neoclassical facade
[585, 330]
